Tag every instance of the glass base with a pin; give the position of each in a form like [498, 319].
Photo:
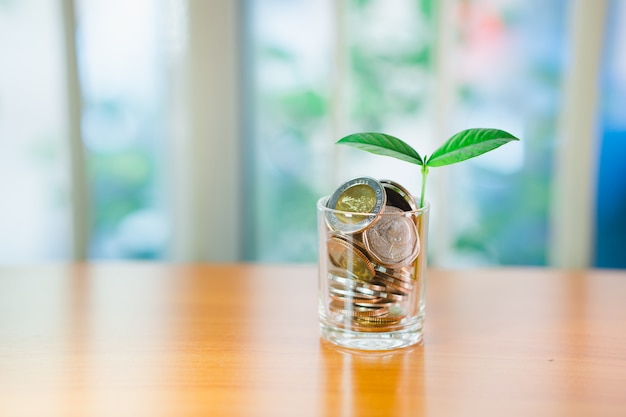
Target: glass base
[408, 336]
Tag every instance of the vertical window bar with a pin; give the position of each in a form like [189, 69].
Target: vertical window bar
[80, 208]
[338, 102]
[573, 202]
[206, 150]
[441, 234]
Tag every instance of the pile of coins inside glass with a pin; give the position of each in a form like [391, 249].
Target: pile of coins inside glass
[372, 246]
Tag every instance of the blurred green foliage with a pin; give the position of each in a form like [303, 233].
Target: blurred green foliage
[390, 79]
[121, 185]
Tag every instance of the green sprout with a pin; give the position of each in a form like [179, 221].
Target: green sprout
[461, 146]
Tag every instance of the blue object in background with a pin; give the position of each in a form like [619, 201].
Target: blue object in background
[610, 239]
[611, 202]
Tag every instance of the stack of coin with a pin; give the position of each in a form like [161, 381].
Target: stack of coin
[373, 243]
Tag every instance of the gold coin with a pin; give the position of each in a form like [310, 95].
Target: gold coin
[355, 239]
[374, 303]
[355, 205]
[383, 319]
[362, 328]
[355, 311]
[345, 255]
[360, 198]
[377, 321]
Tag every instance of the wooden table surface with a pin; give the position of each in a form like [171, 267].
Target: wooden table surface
[151, 339]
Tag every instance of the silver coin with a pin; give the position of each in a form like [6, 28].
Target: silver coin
[355, 205]
[359, 291]
[393, 241]
[342, 291]
[361, 302]
[354, 284]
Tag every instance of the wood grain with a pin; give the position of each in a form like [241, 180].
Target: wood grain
[149, 339]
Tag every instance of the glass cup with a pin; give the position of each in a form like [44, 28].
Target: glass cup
[371, 271]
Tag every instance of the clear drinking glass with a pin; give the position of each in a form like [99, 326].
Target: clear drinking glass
[371, 276]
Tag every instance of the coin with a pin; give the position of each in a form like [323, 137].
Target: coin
[396, 287]
[355, 239]
[380, 320]
[355, 205]
[399, 289]
[364, 291]
[342, 273]
[358, 301]
[377, 321]
[395, 282]
[347, 293]
[393, 241]
[398, 196]
[403, 274]
[392, 294]
[362, 328]
[397, 311]
[347, 256]
[374, 303]
[353, 284]
[355, 311]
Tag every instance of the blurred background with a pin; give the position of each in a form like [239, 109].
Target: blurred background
[190, 130]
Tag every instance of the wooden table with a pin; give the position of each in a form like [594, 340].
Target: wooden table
[242, 340]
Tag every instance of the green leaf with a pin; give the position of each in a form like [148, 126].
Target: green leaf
[468, 144]
[382, 144]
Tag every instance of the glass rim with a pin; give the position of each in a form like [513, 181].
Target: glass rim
[321, 206]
